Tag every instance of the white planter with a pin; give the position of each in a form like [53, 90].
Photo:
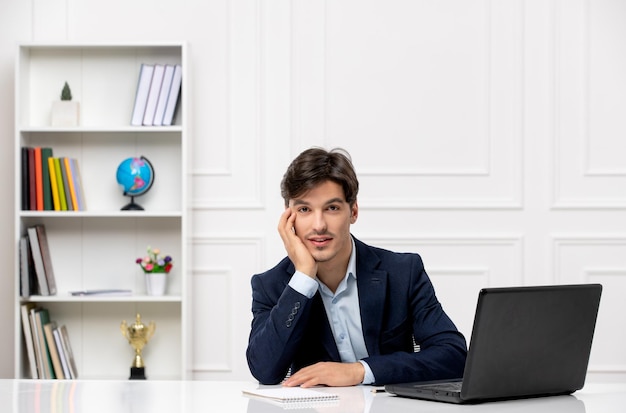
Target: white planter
[65, 113]
[156, 282]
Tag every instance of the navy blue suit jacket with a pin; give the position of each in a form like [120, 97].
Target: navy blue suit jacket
[398, 304]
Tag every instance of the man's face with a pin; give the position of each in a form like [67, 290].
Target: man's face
[323, 219]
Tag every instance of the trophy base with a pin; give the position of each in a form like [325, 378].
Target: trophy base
[137, 373]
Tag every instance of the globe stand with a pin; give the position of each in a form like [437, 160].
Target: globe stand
[132, 206]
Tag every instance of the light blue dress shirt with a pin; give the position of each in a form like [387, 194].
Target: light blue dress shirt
[343, 312]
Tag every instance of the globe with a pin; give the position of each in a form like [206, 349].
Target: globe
[135, 176]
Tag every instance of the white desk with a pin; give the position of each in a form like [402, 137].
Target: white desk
[51, 396]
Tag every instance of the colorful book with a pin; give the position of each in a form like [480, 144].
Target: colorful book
[42, 317]
[52, 348]
[32, 181]
[78, 185]
[71, 183]
[62, 199]
[66, 185]
[25, 179]
[54, 187]
[38, 179]
[46, 153]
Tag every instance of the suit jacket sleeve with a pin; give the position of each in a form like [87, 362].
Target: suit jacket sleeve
[278, 324]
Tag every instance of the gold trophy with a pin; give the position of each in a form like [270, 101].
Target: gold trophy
[138, 335]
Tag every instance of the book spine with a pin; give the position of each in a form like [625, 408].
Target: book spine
[172, 99]
[153, 96]
[47, 258]
[52, 348]
[46, 153]
[43, 318]
[38, 261]
[28, 338]
[66, 185]
[78, 184]
[70, 182]
[32, 184]
[67, 348]
[24, 267]
[32, 319]
[62, 200]
[141, 95]
[25, 179]
[54, 187]
[38, 179]
[166, 85]
[62, 356]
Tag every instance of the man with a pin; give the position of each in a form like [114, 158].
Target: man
[336, 311]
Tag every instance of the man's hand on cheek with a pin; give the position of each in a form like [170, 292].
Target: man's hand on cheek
[296, 250]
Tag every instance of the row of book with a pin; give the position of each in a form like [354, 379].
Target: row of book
[36, 272]
[49, 183]
[48, 345]
[157, 96]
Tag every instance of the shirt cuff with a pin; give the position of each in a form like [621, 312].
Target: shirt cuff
[303, 284]
[369, 376]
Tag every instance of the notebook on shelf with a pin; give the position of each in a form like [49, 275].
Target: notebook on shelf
[526, 342]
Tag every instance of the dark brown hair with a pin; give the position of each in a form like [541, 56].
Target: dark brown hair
[315, 166]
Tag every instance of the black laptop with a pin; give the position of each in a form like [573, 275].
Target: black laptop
[526, 342]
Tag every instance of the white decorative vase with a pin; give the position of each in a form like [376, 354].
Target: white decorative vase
[65, 113]
[156, 283]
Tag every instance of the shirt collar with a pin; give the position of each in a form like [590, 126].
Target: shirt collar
[352, 262]
[350, 272]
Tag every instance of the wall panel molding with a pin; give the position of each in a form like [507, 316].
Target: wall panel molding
[588, 171]
[220, 278]
[597, 258]
[332, 84]
[235, 177]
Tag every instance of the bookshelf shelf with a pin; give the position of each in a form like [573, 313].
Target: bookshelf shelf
[67, 298]
[144, 130]
[100, 214]
[96, 247]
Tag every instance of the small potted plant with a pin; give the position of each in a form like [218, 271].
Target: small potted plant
[155, 267]
[65, 112]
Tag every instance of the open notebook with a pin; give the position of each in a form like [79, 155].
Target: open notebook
[292, 395]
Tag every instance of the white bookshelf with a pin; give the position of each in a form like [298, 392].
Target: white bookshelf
[96, 248]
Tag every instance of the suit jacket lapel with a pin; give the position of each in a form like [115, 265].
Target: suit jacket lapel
[372, 284]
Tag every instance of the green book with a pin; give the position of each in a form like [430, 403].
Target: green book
[62, 200]
[43, 318]
[45, 175]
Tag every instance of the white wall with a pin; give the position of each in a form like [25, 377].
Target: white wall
[488, 136]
